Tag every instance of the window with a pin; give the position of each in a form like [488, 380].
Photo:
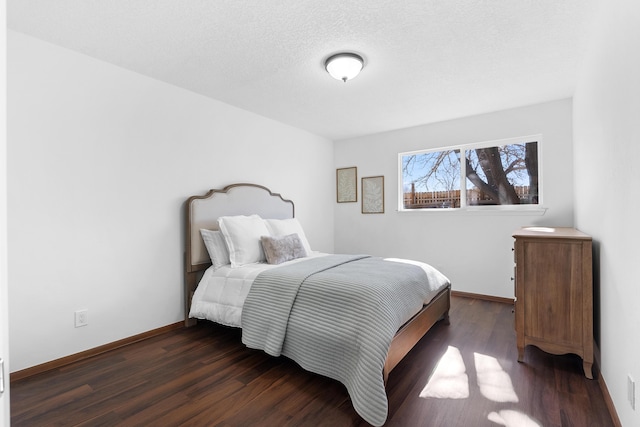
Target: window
[496, 173]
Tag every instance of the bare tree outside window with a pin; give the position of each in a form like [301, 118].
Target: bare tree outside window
[494, 175]
[431, 180]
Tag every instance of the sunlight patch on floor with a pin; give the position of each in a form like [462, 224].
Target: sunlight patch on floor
[511, 418]
[495, 384]
[449, 380]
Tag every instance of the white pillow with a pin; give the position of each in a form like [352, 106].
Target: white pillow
[216, 246]
[242, 235]
[283, 227]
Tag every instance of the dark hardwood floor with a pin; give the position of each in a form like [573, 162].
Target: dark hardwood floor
[204, 376]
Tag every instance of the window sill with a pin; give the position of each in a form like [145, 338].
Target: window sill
[485, 210]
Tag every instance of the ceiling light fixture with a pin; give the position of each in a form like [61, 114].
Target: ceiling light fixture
[344, 66]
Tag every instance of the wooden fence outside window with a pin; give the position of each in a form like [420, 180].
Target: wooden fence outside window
[451, 198]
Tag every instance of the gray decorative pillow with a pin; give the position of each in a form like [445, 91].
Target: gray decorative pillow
[279, 249]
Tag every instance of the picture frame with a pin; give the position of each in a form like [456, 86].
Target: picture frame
[347, 184]
[373, 195]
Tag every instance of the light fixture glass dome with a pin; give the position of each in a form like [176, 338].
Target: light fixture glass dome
[344, 66]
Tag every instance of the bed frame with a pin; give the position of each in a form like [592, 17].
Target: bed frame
[246, 199]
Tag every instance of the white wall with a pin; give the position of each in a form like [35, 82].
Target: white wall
[473, 249]
[100, 161]
[607, 151]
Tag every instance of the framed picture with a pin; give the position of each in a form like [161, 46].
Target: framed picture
[373, 194]
[347, 184]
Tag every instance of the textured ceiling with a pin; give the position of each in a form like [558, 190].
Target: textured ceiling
[425, 61]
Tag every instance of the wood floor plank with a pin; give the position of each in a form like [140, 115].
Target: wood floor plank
[204, 376]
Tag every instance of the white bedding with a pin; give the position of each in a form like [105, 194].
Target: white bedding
[221, 292]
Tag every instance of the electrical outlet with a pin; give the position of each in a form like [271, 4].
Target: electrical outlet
[631, 391]
[82, 318]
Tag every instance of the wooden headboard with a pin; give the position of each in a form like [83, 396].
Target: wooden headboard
[204, 211]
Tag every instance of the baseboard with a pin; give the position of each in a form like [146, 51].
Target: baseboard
[608, 401]
[603, 387]
[58, 363]
[482, 297]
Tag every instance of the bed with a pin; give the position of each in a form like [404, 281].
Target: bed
[293, 304]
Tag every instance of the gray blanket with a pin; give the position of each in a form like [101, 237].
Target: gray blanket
[336, 316]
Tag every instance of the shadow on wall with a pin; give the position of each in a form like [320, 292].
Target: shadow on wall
[596, 294]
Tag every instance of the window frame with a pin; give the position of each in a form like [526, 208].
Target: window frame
[464, 207]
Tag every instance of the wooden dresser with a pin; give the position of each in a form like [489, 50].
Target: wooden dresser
[554, 292]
